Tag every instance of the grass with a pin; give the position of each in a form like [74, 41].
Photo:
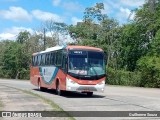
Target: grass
[54, 106]
[51, 103]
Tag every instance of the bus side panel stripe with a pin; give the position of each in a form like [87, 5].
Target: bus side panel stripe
[51, 77]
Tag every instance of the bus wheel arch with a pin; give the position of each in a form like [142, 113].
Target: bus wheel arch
[39, 86]
[58, 90]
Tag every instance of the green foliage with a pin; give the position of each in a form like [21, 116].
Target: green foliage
[133, 45]
[94, 12]
[15, 61]
[125, 45]
[150, 69]
[99, 31]
[15, 56]
[155, 45]
[133, 49]
[122, 77]
[23, 37]
[24, 74]
[141, 37]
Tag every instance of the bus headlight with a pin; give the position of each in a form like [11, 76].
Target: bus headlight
[73, 82]
[71, 85]
[69, 81]
[102, 82]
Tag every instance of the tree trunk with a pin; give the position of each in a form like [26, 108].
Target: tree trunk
[17, 76]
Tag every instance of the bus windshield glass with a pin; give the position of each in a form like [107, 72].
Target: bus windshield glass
[86, 63]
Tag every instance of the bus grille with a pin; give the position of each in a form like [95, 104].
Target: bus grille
[87, 88]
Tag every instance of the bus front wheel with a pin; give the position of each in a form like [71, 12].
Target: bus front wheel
[40, 88]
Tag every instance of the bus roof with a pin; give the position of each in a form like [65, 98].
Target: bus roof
[70, 47]
[50, 49]
[84, 48]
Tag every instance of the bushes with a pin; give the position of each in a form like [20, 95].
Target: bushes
[150, 69]
[24, 74]
[121, 77]
[14, 62]
[146, 75]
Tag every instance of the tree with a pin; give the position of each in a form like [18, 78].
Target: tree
[15, 62]
[99, 31]
[94, 13]
[133, 45]
[56, 29]
[23, 37]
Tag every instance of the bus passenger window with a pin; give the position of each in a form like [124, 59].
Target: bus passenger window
[59, 58]
[43, 60]
[52, 58]
[32, 60]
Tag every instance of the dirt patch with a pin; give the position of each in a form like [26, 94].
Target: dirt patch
[16, 100]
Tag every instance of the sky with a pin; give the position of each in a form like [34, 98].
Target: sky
[20, 15]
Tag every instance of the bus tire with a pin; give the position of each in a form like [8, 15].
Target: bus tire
[58, 90]
[89, 94]
[40, 88]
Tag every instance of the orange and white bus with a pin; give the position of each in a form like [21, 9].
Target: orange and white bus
[70, 68]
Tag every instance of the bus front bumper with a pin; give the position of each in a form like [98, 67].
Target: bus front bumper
[73, 86]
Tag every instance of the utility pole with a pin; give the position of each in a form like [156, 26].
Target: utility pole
[44, 32]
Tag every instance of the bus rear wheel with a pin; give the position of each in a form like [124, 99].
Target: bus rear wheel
[89, 94]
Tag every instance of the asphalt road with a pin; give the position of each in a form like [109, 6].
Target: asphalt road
[114, 98]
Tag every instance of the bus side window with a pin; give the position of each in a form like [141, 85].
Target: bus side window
[56, 58]
[64, 61]
[43, 59]
[32, 60]
[49, 56]
[39, 59]
[59, 58]
[46, 59]
[52, 58]
[35, 61]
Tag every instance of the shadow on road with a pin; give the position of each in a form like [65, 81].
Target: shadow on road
[68, 94]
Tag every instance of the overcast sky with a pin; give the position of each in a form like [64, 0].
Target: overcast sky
[20, 15]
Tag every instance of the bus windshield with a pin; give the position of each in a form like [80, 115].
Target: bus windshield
[86, 63]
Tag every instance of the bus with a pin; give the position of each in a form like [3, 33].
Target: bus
[69, 68]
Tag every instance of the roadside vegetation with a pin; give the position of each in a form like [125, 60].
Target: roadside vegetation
[52, 104]
[133, 49]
